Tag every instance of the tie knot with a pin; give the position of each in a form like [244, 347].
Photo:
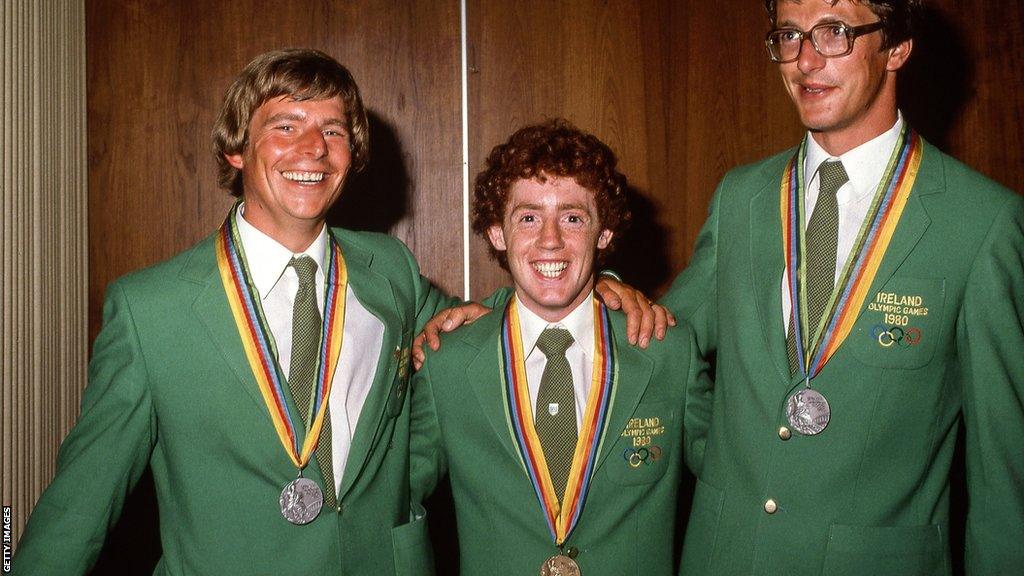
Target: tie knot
[554, 341]
[305, 267]
[832, 176]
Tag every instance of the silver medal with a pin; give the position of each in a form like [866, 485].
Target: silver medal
[807, 411]
[301, 501]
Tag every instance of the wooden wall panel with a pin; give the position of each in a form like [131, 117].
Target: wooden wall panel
[589, 61]
[684, 91]
[157, 74]
[964, 85]
[676, 89]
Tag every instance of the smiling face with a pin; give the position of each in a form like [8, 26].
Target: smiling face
[550, 234]
[847, 100]
[293, 167]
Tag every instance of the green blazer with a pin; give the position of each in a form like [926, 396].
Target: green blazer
[460, 426]
[170, 387]
[870, 494]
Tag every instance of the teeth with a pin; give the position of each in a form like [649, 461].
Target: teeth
[550, 269]
[303, 176]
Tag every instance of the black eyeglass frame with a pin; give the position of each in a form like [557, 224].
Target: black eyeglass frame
[852, 32]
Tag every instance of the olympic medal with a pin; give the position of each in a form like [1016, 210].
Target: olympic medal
[807, 411]
[559, 565]
[301, 501]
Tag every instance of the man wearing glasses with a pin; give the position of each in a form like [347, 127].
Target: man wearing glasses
[862, 294]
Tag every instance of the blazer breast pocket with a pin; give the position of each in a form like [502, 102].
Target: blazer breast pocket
[642, 450]
[900, 324]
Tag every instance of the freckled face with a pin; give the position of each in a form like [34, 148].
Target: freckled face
[551, 235]
[294, 164]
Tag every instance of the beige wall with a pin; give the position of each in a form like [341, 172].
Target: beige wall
[42, 122]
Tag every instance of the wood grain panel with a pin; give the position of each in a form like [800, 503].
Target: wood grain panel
[158, 71]
[683, 92]
[592, 62]
[964, 85]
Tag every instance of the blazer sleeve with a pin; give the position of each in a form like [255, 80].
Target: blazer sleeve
[427, 460]
[102, 457]
[429, 299]
[694, 292]
[990, 342]
[693, 298]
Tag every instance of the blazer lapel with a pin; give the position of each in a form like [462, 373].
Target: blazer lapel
[376, 294]
[484, 377]
[913, 222]
[767, 265]
[212, 311]
[633, 374]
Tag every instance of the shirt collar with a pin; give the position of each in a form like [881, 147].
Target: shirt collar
[864, 164]
[273, 257]
[579, 323]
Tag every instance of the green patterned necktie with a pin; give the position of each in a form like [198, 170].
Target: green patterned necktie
[306, 324]
[821, 240]
[556, 407]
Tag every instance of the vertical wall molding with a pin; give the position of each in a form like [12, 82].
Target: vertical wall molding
[44, 240]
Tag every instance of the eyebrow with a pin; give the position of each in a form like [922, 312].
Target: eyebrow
[560, 207]
[292, 117]
[823, 20]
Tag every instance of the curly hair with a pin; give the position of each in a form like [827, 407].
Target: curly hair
[300, 74]
[897, 17]
[551, 149]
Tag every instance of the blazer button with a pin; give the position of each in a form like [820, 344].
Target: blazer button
[784, 433]
[572, 552]
[770, 506]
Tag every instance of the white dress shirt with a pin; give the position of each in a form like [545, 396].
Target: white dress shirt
[277, 284]
[580, 354]
[865, 165]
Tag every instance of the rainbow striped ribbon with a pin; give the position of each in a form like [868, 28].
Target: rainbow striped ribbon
[563, 515]
[258, 342]
[869, 249]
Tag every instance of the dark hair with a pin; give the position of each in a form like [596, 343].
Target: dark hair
[552, 149]
[300, 74]
[897, 17]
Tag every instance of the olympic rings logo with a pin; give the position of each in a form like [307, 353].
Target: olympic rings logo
[888, 336]
[637, 457]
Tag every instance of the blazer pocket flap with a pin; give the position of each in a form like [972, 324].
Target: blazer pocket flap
[414, 555]
[882, 550]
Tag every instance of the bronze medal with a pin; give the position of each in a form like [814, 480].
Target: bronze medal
[301, 501]
[559, 565]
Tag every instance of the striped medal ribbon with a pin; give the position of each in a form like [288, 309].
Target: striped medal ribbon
[808, 409]
[258, 342]
[562, 515]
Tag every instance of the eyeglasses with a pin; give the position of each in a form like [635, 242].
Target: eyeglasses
[830, 39]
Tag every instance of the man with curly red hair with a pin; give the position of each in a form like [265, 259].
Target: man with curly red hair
[566, 454]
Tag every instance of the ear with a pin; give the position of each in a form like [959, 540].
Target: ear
[899, 54]
[604, 239]
[235, 160]
[497, 237]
